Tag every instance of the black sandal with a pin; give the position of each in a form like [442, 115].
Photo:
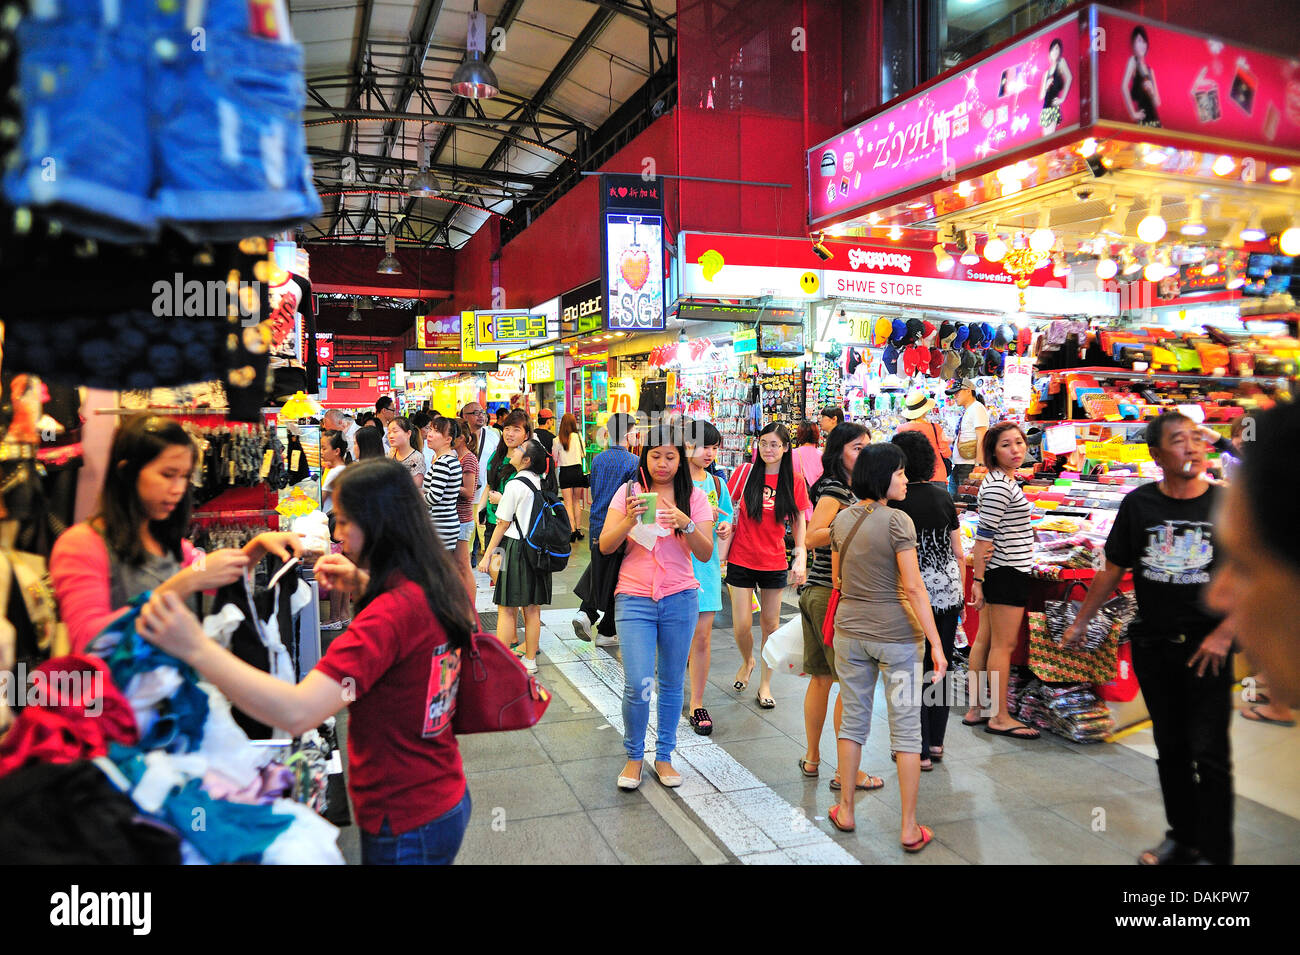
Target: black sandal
[700, 722]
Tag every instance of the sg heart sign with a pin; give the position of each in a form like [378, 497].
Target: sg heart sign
[632, 245]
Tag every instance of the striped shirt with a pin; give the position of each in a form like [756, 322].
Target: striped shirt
[442, 492]
[819, 559]
[464, 508]
[1004, 522]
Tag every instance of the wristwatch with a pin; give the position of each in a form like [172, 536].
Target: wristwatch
[689, 528]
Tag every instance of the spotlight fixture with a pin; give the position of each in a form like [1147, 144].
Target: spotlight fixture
[942, 260]
[964, 188]
[1235, 281]
[1119, 221]
[1106, 267]
[1233, 236]
[1155, 156]
[1153, 227]
[1088, 148]
[1194, 225]
[425, 184]
[1211, 267]
[474, 79]
[389, 265]
[820, 250]
[895, 232]
[1131, 264]
[1043, 238]
[1254, 232]
[994, 248]
[1154, 271]
[1280, 174]
[969, 256]
[1288, 242]
[355, 314]
[1223, 166]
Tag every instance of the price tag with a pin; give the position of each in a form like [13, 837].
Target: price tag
[267, 460]
[294, 458]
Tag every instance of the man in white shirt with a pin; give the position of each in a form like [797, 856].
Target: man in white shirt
[974, 423]
[338, 421]
[385, 413]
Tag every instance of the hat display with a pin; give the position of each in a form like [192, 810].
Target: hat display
[963, 332]
[989, 331]
[916, 358]
[976, 337]
[951, 362]
[1024, 339]
[890, 358]
[947, 330]
[936, 362]
[928, 329]
[915, 329]
[917, 404]
[898, 332]
[884, 328]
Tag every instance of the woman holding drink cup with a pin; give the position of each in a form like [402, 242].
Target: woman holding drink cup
[665, 521]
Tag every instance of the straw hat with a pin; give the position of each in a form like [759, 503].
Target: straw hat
[917, 404]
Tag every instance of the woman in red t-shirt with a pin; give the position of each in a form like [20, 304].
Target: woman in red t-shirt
[767, 495]
[396, 667]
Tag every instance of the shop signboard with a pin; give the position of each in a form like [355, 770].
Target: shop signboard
[324, 349]
[437, 332]
[368, 361]
[632, 249]
[624, 394]
[1024, 95]
[1017, 382]
[581, 309]
[1170, 80]
[504, 383]
[418, 360]
[745, 341]
[469, 351]
[541, 370]
[507, 328]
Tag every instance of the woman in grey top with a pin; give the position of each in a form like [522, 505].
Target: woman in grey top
[883, 617]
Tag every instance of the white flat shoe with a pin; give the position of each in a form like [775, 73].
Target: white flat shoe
[629, 783]
[671, 782]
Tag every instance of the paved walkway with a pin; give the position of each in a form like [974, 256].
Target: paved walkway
[548, 795]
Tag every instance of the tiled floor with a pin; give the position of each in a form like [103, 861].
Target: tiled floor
[547, 795]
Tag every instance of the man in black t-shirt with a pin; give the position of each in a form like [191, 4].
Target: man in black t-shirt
[1181, 651]
[543, 433]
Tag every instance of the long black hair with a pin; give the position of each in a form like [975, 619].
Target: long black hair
[841, 436]
[756, 485]
[340, 444]
[683, 487]
[378, 496]
[370, 443]
[138, 442]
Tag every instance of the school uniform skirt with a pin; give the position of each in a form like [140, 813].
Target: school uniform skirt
[518, 585]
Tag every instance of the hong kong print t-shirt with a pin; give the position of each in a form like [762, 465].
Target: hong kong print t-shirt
[1169, 544]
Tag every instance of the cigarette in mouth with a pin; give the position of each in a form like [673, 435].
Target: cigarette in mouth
[1187, 467]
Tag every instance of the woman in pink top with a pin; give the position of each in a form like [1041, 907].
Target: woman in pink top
[916, 406]
[662, 521]
[135, 542]
[808, 455]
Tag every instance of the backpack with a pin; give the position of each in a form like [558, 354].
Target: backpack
[546, 541]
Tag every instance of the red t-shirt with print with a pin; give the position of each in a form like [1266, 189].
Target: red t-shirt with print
[760, 545]
[394, 771]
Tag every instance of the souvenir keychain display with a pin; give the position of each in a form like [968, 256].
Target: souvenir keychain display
[782, 397]
[825, 385]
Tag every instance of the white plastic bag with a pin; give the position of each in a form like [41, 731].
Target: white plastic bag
[783, 650]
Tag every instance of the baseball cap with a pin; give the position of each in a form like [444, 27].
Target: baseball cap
[963, 385]
[884, 328]
[546, 414]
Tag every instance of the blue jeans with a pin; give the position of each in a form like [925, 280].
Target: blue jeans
[434, 843]
[646, 629]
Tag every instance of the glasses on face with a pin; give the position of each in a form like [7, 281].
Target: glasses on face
[771, 446]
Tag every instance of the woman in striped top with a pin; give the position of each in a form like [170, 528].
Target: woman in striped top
[465, 500]
[442, 485]
[1004, 548]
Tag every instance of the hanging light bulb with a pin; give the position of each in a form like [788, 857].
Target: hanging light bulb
[1235, 281]
[970, 256]
[425, 184]
[1289, 241]
[1106, 267]
[995, 249]
[1254, 232]
[964, 188]
[1233, 236]
[1211, 267]
[1280, 174]
[1193, 225]
[474, 79]
[1224, 165]
[389, 265]
[895, 232]
[355, 314]
[1153, 227]
[1154, 271]
[1088, 148]
[942, 260]
[1131, 264]
[1043, 238]
[1119, 221]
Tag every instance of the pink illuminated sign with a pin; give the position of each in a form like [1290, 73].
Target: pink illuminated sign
[1150, 75]
[1027, 93]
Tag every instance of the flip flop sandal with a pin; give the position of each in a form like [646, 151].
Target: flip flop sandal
[927, 836]
[830, 814]
[803, 768]
[836, 786]
[1260, 718]
[978, 721]
[936, 757]
[893, 758]
[1014, 732]
[700, 722]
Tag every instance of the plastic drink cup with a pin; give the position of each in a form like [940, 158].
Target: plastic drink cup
[651, 502]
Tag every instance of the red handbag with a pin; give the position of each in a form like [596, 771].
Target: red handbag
[496, 693]
[828, 621]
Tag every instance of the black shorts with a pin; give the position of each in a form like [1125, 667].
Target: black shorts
[571, 476]
[1006, 586]
[738, 576]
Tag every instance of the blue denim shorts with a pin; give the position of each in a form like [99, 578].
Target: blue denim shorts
[138, 121]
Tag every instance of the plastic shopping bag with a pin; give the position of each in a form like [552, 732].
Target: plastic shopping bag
[783, 650]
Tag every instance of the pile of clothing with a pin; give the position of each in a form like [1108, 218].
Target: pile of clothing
[135, 735]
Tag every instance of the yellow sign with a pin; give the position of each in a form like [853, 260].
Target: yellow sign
[623, 395]
[809, 282]
[468, 351]
[541, 369]
[782, 364]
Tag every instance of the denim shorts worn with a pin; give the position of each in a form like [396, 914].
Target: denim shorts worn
[135, 118]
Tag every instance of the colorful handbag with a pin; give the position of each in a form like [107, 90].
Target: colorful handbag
[1053, 663]
[828, 621]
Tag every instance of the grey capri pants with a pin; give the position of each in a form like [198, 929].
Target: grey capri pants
[857, 663]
